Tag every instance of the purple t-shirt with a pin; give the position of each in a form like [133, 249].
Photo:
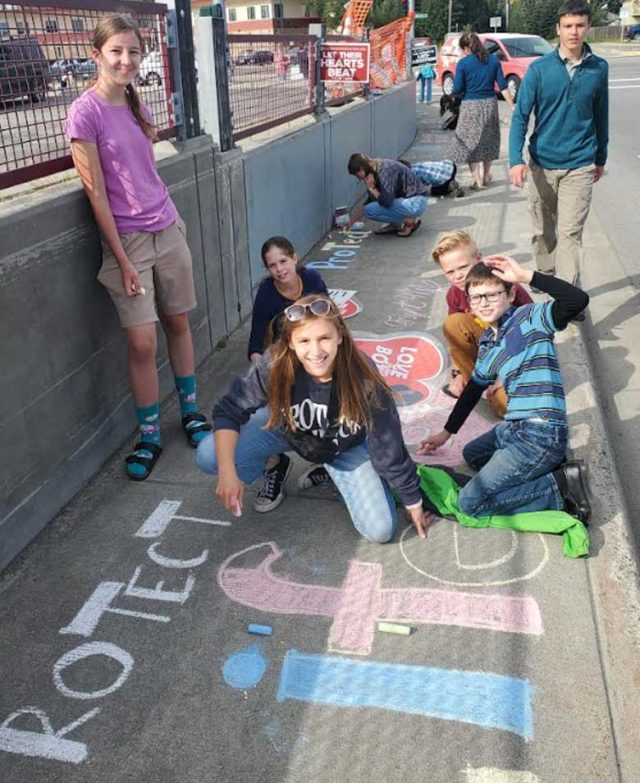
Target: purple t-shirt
[138, 198]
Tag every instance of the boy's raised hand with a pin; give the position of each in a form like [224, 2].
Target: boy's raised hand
[508, 269]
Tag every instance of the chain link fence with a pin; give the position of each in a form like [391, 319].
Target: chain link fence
[45, 63]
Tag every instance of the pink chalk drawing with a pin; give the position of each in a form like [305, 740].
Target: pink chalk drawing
[361, 601]
[427, 419]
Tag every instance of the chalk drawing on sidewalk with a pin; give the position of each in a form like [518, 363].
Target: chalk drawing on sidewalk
[436, 565]
[46, 744]
[343, 251]
[410, 362]
[493, 701]
[494, 775]
[420, 421]
[361, 602]
[244, 669]
[413, 302]
[345, 302]
[165, 512]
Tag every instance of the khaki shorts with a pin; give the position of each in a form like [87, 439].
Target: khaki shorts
[163, 263]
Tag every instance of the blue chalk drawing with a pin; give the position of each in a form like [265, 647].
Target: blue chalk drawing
[244, 669]
[491, 700]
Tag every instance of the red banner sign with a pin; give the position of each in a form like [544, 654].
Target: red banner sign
[344, 62]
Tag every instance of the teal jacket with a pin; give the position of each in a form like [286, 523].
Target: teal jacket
[571, 115]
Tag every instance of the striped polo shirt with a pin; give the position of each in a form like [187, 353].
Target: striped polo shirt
[523, 355]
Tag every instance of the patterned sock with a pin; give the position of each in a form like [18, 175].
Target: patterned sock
[186, 388]
[149, 424]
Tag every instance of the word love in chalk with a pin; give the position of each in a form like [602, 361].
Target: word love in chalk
[361, 602]
[410, 362]
[106, 599]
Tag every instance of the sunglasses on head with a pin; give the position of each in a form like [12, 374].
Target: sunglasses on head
[318, 307]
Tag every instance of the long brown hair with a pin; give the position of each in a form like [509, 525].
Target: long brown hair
[357, 381]
[112, 25]
[472, 42]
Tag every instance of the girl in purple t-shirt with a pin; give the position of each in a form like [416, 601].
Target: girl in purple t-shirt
[146, 264]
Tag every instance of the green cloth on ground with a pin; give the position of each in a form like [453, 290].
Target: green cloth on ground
[443, 491]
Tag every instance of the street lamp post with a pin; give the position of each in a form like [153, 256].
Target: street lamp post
[450, 14]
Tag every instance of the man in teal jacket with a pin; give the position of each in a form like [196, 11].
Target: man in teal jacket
[568, 92]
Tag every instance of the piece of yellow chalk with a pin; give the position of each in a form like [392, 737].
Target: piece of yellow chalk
[142, 291]
[401, 630]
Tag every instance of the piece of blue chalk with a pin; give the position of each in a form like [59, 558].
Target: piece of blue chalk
[261, 630]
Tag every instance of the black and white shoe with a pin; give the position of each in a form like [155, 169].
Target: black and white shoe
[573, 482]
[271, 493]
[315, 476]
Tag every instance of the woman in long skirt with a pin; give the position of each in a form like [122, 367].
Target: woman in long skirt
[477, 136]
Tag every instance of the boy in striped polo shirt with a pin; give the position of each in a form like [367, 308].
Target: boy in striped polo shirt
[521, 461]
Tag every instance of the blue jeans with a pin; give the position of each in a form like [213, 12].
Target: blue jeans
[514, 460]
[366, 495]
[429, 85]
[398, 212]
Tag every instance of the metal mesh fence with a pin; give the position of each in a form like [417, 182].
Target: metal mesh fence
[272, 79]
[45, 63]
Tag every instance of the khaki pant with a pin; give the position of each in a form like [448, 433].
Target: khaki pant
[462, 333]
[559, 202]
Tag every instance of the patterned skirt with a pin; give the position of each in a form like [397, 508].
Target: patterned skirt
[477, 136]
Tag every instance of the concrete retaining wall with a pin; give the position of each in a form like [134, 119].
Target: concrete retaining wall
[65, 405]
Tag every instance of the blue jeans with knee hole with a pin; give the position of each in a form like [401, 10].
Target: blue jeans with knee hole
[367, 497]
[514, 460]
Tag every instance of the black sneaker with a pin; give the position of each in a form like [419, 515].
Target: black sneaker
[271, 493]
[315, 476]
[573, 481]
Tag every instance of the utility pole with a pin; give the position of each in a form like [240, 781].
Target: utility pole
[450, 14]
[412, 7]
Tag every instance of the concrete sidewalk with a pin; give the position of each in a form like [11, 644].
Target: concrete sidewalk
[125, 638]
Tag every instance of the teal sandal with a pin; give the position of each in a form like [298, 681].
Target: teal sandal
[140, 463]
[195, 426]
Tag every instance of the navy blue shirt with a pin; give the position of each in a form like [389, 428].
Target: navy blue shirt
[475, 80]
[270, 303]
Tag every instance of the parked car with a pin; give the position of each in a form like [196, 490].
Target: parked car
[24, 70]
[252, 57]
[515, 51]
[632, 32]
[152, 69]
[72, 66]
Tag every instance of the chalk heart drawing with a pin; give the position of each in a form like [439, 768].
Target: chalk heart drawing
[410, 362]
[360, 602]
[345, 302]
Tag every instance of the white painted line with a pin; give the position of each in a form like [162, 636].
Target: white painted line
[625, 79]
[626, 87]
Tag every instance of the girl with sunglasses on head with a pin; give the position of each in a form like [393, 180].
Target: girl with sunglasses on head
[315, 393]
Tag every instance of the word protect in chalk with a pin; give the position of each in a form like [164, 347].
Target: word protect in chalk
[260, 630]
[401, 630]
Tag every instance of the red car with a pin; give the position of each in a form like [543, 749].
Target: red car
[515, 51]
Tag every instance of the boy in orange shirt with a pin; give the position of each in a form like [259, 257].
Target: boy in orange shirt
[456, 252]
